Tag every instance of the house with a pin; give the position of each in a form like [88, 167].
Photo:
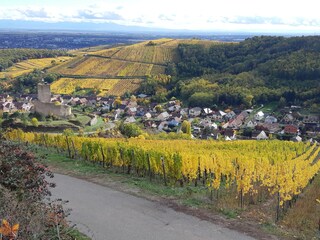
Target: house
[163, 126]
[173, 123]
[291, 129]
[225, 125]
[214, 126]
[271, 127]
[132, 104]
[147, 115]
[118, 113]
[141, 111]
[74, 101]
[195, 112]
[221, 113]
[260, 135]
[288, 118]
[163, 116]
[174, 108]
[196, 129]
[207, 111]
[82, 101]
[251, 124]
[230, 115]
[311, 123]
[235, 123]
[230, 133]
[243, 115]
[141, 95]
[218, 116]
[259, 116]
[184, 111]
[270, 119]
[131, 111]
[205, 122]
[26, 107]
[7, 107]
[105, 107]
[309, 119]
[93, 121]
[296, 139]
[130, 120]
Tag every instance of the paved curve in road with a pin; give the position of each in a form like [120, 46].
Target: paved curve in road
[104, 214]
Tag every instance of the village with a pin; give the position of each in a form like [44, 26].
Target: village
[260, 122]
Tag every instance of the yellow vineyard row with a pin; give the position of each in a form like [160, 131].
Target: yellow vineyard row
[116, 87]
[282, 167]
[27, 66]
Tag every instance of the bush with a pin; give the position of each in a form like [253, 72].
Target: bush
[130, 130]
[34, 122]
[23, 188]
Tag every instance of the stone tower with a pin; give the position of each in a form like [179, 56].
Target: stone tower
[44, 93]
[45, 107]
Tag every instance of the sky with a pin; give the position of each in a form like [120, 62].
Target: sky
[203, 15]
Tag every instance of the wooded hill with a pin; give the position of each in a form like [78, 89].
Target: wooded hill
[257, 70]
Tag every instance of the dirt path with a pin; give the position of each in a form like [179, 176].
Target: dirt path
[103, 213]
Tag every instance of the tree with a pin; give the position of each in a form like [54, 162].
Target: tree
[117, 103]
[282, 102]
[133, 98]
[186, 127]
[34, 122]
[158, 108]
[248, 100]
[130, 130]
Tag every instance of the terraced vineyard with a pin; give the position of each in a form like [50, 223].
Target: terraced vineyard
[29, 65]
[142, 59]
[100, 68]
[125, 85]
[115, 87]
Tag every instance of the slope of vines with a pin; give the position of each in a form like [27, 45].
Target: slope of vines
[283, 168]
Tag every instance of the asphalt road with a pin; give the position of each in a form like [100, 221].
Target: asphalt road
[103, 213]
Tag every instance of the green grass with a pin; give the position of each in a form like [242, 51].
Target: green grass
[229, 213]
[269, 107]
[83, 119]
[76, 235]
[189, 195]
[56, 123]
[100, 124]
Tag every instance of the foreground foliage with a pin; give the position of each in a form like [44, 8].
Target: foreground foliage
[24, 192]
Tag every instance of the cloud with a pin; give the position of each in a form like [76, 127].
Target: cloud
[255, 20]
[165, 17]
[259, 20]
[96, 15]
[34, 13]
[137, 20]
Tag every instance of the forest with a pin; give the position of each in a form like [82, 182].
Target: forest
[257, 70]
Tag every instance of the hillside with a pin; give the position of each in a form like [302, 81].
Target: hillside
[28, 66]
[138, 60]
[123, 62]
[257, 70]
